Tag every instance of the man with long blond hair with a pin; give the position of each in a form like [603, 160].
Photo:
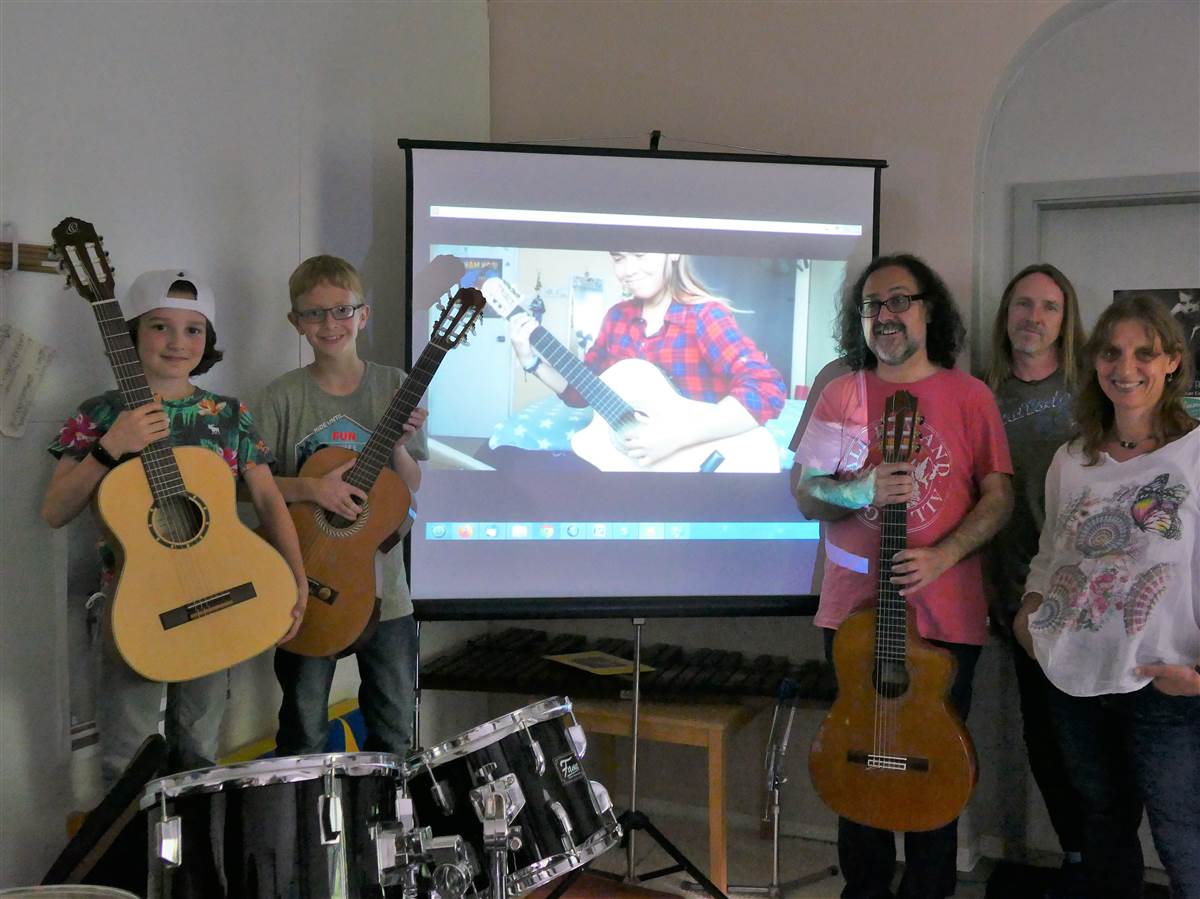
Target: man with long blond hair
[1034, 373]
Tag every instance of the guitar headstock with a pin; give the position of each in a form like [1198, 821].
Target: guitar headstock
[82, 257]
[458, 318]
[899, 427]
[501, 296]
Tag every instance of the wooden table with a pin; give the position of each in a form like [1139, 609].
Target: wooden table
[706, 726]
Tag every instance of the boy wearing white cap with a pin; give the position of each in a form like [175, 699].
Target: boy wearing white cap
[170, 314]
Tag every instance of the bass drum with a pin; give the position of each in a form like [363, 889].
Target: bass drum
[532, 758]
[301, 827]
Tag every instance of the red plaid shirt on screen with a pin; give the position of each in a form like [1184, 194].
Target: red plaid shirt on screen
[699, 348]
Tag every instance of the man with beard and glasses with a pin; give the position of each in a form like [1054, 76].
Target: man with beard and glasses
[900, 330]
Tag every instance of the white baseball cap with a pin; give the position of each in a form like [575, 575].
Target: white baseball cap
[149, 291]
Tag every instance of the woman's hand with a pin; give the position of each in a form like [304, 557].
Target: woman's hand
[520, 331]
[1030, 603]
[135, 429]
[334, 495]
[1174, 680]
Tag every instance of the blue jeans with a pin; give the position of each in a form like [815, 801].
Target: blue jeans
[867, 855]
[387, 668]
[1124, 750]
[1045, 752]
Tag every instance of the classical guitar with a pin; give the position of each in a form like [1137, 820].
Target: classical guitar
[196, 590]
[892, 753]
[339, 555]
[644, 384]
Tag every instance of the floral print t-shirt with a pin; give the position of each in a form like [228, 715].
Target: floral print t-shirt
[219, 423]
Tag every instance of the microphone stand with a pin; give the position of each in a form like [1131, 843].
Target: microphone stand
[776, 751]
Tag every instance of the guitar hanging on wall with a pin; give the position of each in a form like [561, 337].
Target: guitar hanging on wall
[892, 753]
[196, 590]
[339, 555]
[613, 395]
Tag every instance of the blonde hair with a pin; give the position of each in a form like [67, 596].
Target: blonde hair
[332, 270]
[1070, 336]
[1094, 410]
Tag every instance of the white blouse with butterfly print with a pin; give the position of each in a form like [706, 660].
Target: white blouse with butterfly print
[1118, 564]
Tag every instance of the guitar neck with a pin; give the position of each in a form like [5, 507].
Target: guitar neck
[157, 458]
[599, 395]
[378, 451]
[891, 614]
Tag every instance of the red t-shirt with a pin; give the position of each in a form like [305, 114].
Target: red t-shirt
[961, 442]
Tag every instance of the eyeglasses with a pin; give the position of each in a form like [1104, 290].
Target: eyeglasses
[316, 316]
[897, 303]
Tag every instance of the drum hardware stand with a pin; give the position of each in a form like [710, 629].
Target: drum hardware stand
[498, 839]
[777, 744]
[632, 820]
[407, 849]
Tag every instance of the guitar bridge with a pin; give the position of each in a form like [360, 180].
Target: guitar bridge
[884, 762]
[323, 592]
[206, 605]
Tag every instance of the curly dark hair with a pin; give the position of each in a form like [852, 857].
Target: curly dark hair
[945, 333]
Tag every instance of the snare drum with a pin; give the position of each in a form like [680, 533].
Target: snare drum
[532, 758]
[312, 826]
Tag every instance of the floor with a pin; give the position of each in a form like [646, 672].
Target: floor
[750, 864]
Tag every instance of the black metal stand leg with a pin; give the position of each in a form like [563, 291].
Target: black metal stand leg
[567, 882]
[633, 820]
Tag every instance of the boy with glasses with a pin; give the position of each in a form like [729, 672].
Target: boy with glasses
[336, 401]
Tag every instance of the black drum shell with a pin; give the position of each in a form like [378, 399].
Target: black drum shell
[564, 780]
[264, 841]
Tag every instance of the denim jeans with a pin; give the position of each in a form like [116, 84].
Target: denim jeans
[387, 669]
[867, 855]
[1044, 750]
[1123, 750]
[128, 708]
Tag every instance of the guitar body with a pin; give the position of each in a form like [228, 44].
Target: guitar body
[191, 598]
[644, 385]
[941, 771]
[340, 561]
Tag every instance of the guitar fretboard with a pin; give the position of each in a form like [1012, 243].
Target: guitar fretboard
[378, 451]
[157, 458]
[599, 395]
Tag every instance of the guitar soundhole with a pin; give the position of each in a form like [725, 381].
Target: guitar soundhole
[337, 526]
[179, 521]
[891, 679]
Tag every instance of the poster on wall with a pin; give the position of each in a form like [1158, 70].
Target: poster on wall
[1184, 303]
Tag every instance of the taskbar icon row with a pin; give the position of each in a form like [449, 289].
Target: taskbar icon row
[621, 530]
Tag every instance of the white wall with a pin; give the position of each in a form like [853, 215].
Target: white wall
[233, 139]
[1107, 90]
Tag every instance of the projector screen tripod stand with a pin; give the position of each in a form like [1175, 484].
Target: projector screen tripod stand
[633, 820]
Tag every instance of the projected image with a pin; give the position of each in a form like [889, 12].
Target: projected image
[633, 361]
[616, 432]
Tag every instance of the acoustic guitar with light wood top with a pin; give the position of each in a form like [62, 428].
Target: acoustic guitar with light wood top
[196, 590]
[892, 753]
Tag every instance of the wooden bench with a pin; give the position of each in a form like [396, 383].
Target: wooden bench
[706, 726]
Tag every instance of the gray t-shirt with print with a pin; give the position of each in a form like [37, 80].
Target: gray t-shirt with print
[296, 418]
[1038, 418]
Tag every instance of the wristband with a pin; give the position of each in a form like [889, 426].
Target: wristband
[103, 456]
[537, 360]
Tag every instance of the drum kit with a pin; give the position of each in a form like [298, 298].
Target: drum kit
[493, 813]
